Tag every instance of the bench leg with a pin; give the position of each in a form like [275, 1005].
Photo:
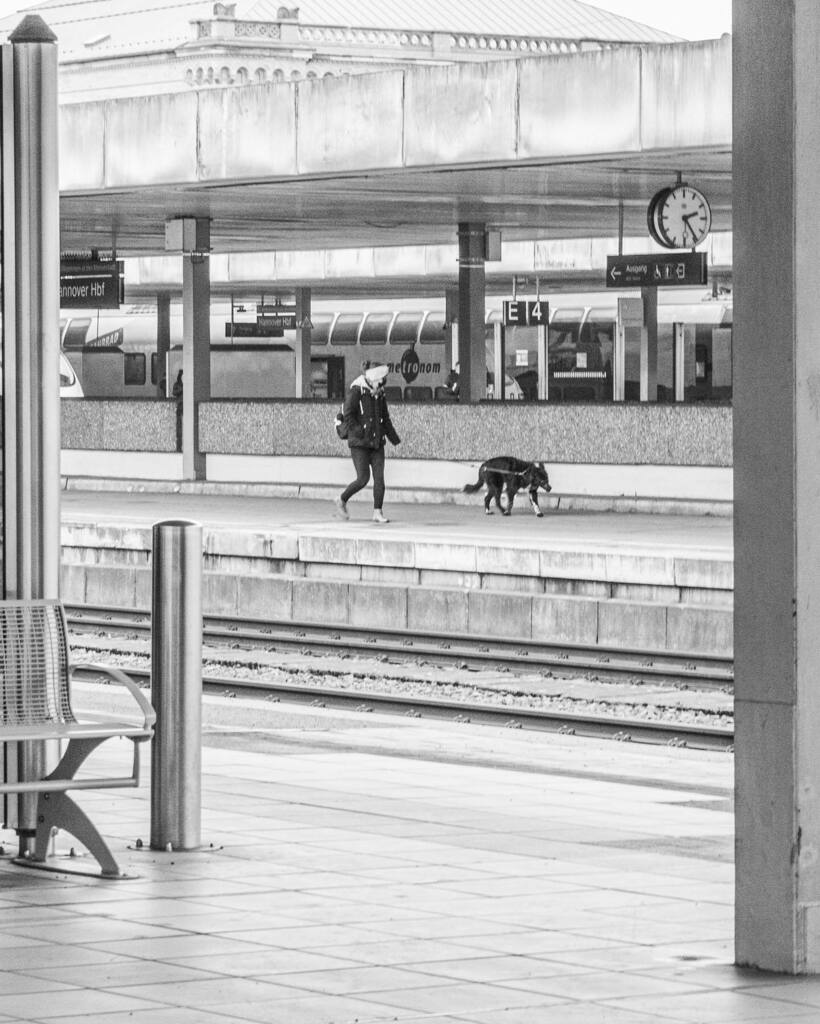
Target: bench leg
[58, 810]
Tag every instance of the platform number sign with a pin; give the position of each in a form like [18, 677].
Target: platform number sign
[525, 312]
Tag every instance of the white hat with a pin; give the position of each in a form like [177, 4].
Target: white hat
[376, 374]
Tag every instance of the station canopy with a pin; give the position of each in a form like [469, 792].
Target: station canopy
[567, 145]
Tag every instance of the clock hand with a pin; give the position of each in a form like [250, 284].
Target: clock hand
[686, 217]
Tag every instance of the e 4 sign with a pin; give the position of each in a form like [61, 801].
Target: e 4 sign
[525, 312]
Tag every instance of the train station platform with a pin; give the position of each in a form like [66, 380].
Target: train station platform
[366, 868]
[630, 580]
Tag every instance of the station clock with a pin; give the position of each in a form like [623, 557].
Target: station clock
[679, 217]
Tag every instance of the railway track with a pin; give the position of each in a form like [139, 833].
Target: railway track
[696, 670]
[311, 638]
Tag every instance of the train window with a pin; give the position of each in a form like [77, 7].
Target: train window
[564, 332]
[321, 329]
[597, 340]
[76, 332]
[432, 330]
[134, 367]
[405, 329]
[375, 328]
[153, 367]
[346, 329]
[577, 372]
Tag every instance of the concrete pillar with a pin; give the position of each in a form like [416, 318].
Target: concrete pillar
[649, 346]
[776, 209]
[471, 346]
[303, 331]
[163, 343]
[196, 347]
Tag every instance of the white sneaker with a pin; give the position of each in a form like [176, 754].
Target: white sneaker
[341, 509]
[379, 516]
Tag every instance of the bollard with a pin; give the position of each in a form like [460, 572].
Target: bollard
[176, 685]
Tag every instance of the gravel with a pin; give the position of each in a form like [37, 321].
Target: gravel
[524, 691]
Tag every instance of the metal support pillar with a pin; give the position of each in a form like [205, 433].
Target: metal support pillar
[543, 362]
[499, 361]
[31, 346]
[679, 361]
[303, 331]
[176, 685]
[451, 328]
[163, 344]
[471, 346]
[776, 209]
[196, 347]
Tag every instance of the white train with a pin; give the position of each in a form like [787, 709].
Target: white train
[114, 354]
[70, 386]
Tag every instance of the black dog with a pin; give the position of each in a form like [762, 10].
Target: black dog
[512, 475]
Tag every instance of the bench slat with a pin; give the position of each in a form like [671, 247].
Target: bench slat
[104, 728]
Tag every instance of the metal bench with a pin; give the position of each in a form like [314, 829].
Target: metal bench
[35, 704]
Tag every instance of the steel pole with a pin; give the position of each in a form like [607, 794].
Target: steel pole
[31, 350]
[176, 685]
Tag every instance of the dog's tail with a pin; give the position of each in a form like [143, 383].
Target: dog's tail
[472, 488]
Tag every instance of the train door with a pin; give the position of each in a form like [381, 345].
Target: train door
[567, 364]
[327, 377]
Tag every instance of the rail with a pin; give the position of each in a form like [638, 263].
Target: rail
[474, 701]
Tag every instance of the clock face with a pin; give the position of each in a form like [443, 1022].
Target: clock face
[679, 217]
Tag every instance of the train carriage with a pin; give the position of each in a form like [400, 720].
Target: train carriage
[590, 355]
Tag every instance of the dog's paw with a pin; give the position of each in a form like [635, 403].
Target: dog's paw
[540, 515]
[488, 511]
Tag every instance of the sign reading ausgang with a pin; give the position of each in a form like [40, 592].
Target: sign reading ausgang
[660, 271]
[91, 284]
[525, 312]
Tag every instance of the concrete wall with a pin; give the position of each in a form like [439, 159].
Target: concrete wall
[623, 434]
[125, 425]
[592, 596]
[494, 112]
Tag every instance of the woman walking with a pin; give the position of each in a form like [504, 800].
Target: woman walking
[368, 424]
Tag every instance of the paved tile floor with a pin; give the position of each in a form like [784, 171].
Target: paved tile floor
[361, 868]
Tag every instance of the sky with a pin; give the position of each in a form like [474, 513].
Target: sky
[692, 19]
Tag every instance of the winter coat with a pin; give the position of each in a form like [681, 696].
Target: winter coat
[367, 418]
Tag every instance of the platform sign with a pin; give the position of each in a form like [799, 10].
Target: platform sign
[525, 312]
[267, 309]
[277, 321]
[250, 329]
[91, 284]
[656, 270]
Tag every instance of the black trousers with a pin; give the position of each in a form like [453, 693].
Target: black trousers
[365, 459]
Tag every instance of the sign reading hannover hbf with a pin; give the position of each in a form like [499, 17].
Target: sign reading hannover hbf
[655, 270]
[91, 284]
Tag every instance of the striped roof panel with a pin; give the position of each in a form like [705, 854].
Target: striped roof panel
[99, 28]
[556, 19]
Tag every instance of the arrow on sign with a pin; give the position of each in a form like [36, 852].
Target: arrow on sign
[615, 273]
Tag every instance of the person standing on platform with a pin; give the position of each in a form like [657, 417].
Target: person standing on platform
[368, 425]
